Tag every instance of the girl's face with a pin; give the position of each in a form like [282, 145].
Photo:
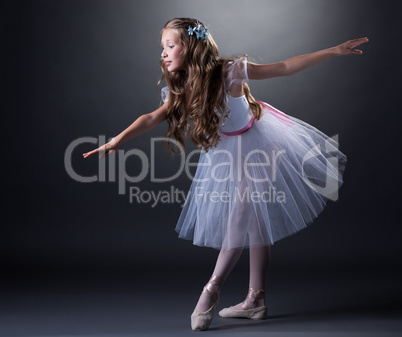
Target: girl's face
[171, 50]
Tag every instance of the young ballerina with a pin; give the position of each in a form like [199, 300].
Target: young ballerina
[262, 175]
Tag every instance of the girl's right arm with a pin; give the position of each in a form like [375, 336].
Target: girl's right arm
[141, 125]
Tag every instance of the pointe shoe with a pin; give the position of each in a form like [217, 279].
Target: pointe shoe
[202, 320]
[247, 312]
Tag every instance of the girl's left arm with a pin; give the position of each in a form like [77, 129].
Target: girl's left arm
[301, 62]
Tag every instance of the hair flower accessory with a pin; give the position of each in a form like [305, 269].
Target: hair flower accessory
[199, 31]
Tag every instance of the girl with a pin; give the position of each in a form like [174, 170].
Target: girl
[262, 175]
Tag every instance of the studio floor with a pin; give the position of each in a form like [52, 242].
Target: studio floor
[76, 302]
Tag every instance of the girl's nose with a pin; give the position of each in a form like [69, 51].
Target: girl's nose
[163, 53]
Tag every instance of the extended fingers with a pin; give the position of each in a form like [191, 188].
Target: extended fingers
[90, 153]
[103, 150]
[350, 45]
[358, 42]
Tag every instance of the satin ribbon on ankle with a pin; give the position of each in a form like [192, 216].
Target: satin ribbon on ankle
[252, 295]
[214, 281]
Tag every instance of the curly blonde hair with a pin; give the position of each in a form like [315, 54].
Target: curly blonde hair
[197, 93]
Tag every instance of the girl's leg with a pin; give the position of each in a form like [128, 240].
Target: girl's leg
[227, 259]
[235, 237]
[259, 264]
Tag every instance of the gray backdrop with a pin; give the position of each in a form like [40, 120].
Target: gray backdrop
[76, 69]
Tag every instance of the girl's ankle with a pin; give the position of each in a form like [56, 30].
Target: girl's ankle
[214, 285]
[254, 299]
[210, 293]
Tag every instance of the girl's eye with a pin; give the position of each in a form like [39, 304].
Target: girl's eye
[171, 47]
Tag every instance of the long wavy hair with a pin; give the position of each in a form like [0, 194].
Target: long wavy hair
[197, 93]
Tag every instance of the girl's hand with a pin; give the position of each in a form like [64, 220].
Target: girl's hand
[348, 46]
[104, 150]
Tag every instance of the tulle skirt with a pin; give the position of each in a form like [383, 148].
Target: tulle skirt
[261, 186]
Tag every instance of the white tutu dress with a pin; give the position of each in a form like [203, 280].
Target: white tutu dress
[265, 180]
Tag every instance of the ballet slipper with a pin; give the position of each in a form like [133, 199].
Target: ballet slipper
[202, 320]
[247, 311]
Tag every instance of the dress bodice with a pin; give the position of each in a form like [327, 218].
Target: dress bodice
[238, 114]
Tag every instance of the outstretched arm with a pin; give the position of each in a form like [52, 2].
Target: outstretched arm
[301, 62]
[141, 125]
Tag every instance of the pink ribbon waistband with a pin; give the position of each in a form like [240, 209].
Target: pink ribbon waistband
[243, 130]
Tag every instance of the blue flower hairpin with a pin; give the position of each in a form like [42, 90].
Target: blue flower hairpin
[202, 33]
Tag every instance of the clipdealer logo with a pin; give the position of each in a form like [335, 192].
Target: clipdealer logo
[244, 164]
